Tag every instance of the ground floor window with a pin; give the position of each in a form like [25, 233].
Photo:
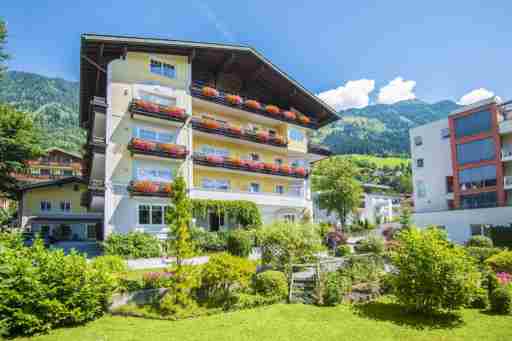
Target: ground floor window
[290, 218]
[479, 229]
[152, 214]
[91, 231]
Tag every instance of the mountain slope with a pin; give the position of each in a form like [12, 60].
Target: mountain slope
[52, 101]
[380, 129]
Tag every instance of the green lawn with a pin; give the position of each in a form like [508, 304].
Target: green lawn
[376, 321]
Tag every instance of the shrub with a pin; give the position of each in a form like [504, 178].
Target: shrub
[247, 301]
[501, 262]
[432, 274]
[343, 250]
[501, 300]
[271, 284]
[12, 240]
[335, 238]
[169, 307]
[132, 245]
[373, 244]
[44, 289]
[158, 279]
[480, 300]
[480, 254]
[363, 269]
[223, 273]
[209, 241]
[113, 264]
[285, 243]
[480, 241]
[332, 294]
[239, 243]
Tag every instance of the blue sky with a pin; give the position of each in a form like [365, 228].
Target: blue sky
[385, 50]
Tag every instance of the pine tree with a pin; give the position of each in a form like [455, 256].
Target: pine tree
[3, 39]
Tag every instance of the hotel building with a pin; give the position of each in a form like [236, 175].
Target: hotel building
[462, 169]
[227, 119]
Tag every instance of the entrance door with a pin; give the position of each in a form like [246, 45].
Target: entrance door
[214, 222]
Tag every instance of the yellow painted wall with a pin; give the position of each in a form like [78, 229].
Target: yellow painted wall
[55, 194]
[240, 182]
[238, 150]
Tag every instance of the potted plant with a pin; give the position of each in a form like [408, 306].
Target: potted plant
[236, 162]
[235, 130]
[167, 188]
[271, 167]
[262, 136]
[252, 104]
[285, 169]
[272, 109]
[301, 171]
[215, 159]
[210, 92]
[143, 145]
[211, 124]
[173, 111]
[256, 166]
[290, 115]
[145, 186]
[169, 148]
[304, 119]
[234, 99]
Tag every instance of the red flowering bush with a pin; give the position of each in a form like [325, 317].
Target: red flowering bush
[504, 278]
[235, 130]
[143, 145]
[304, 119]
[234, 99]
[215, 159]
[145, 186]
[156, 280]
[272, 109]
[285, 169]
[256, 165]
[236, 162]
[209, 91]
[173, 111]
[211, 124]
[147, 106]
[253, 104]
[262, 136]
[169, 148]
[167, 188]
[290, 115]
[300, 171]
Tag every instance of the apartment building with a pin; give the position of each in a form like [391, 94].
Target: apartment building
[55, 164]
[227, 119]
[461, 169]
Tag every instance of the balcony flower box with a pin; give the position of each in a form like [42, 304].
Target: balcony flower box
[147, 106]
[236, 162]
[262, 136]
[290, 115]
[210, 124]
[145, 186]
[252, 104]
[143, 145]
[256, 166]
[234, 130]
[173, 111]
[166, 188]
[272, 109]
[172, 149]
[234, 99]
[304, 119]
[209, 91]
[285, 169]
[300, 171]
[271, 167]
[215, 159]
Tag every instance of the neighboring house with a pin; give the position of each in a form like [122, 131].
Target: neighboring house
[376, 207]
[56, 164]
[53, 208]
[154, 108]
[462, 169]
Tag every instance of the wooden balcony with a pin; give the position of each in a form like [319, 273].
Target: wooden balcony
[250, 166]
[213, 127]
[147, 188]
[197, 90]
[319, 149]
[164, 150]
[96, 188]
[153, 110]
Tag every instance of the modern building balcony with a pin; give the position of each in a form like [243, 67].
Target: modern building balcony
[94, 197]
[146, 188]
[290, 199]
[507, 182]
[234, 132]
[252, 106]
[235, 164]
[146, 110]
[162, 150]
[506, 153]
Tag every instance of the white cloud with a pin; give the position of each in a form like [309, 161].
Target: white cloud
[354, 94]
[397, 90]
[214, 19]
[475, 96]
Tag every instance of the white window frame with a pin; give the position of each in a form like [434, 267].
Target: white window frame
[210, 150]
[47, 207]
[216, 184]
[158, 135]
[163, 207]
[144, 173]
[163, 64]
[254, 157]
[65, 206]
[289, 217]
[282, 187]
[251, 188]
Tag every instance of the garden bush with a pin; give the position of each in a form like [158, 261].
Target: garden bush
[12, 240]
[207, 241]
[501, 300]
[112, 264]
[239, 243]
[343, 250]
[501, 262]
[480, 300]
[223, 274]
[335, 238]
[132, 245]
[363, 269]
[480, 254]
[332, 295]
[480, 241]
[42, 289]
[271, 284]
[373, 244]
[285, 243]
[432, 274]
[158, 279]
[244, 300]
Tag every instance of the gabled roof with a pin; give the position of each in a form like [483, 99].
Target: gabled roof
[265, 78]
[63, 151]
[59, 182]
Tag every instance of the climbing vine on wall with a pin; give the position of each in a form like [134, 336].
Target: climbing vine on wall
[245, 213]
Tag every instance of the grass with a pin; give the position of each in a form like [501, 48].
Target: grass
[379, 161]
[374, 321]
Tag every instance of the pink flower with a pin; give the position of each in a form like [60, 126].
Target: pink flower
[504, 278]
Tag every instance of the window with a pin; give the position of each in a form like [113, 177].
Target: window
[254, 157]
[480, 200]
[65, 206]
[216, 184]
[475, 151]
[154, 174]
[254, 187]
[296, 135]
[289, 218]
[473, 124]
[45, 172]
[164, 101]
[419, 163]
[279, 189]
[479, 177]
[45, 230]
[46, 206]
[418, 141]
[151, 135]
[209, 150]
[163, 69]
[445, 133]
[67, 172]
[299, 163]
[479, 229]
[152, 214]
[91, 231]
[35, 171]
[421, 189]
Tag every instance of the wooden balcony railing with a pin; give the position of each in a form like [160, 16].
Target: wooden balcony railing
[218, 96]
[250, 166]
[149, 188]
[214, 127]
[168, 150]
